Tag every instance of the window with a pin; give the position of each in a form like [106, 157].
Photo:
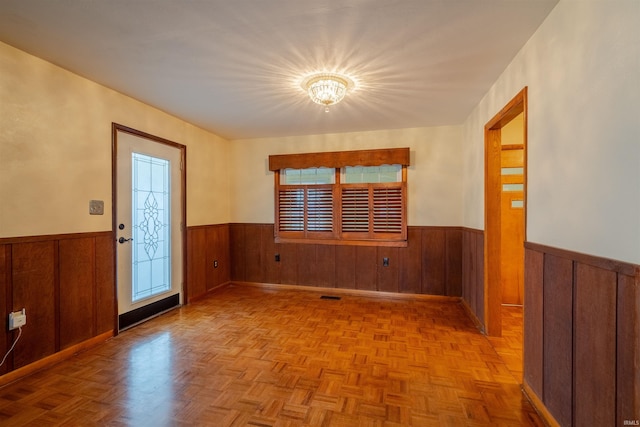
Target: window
[361, 199]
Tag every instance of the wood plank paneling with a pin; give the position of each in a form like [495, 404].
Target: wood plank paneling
[468, 269]
[217, 250]
[33, 279]
[595, 346]
[308, 264]
[388, 276]
[105, 284]
[237, 243]
[223, 256]
[346, 267]
[331, 265]
[590, 374]
[473, 272]
[628, 345]
[479, 278]
[453, 263]
[271, 248]
[77, 276]
[5, 300]
[206, 245]
[410, 269]
[215, 256]
[366, 272]
[326, 271]
[533, 321]
[433, 261]
[253, 254]
[558, 337]
[289, 257]
[196, 262]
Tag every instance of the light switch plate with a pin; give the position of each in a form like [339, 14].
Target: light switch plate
[96, 207]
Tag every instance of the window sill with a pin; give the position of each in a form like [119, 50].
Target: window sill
[384, 243]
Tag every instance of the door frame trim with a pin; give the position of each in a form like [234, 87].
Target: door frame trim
[115, 128]
[492, 203]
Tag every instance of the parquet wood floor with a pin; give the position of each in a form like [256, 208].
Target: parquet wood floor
[256, 357]
[509, 345]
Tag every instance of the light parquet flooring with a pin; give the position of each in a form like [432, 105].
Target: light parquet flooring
[249, 356]
[509, 345]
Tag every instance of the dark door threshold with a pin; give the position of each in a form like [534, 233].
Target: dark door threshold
[139, 315]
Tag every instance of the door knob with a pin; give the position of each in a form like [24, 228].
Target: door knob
[122, 240]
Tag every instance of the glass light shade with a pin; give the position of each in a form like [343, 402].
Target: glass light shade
[327, 88]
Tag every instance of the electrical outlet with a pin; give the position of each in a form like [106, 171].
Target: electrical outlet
[385, 262]
[17, 319]
[215, 264]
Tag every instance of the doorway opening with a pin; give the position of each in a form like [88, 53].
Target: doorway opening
[505, 222]
[148, 223]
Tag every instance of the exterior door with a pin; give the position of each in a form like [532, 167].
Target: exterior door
[149, 226]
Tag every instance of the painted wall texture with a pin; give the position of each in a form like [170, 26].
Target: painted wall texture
[55, 150]
[581, 68]
[434, 177]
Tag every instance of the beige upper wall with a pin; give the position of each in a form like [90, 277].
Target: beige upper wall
[434, 177]
[55, 150]
[581, 68]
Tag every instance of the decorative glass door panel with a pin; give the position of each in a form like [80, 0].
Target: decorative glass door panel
[151, 224]
[149, 227]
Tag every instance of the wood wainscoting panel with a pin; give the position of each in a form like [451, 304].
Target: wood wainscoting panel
[345, 267]
[308, 264]
[196, 263]
[453, 262]
[236, 249]
[479, 278]
[207, 246]
[469, 270]
[366, 271]
[410, 270]
[253, 254]
[6, 337]
[594, 346]
[289, 258]
[34, 288]
[388, 276]
[433, 261]
[270, 248]
[77, 286]
[66, 284]
[533, 321]
[105, 284]
[217, 253]
[628, 349]
[591, 336]
[558, 337]
[326, 266]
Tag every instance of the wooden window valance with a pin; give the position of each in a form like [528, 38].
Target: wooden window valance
[339, 159]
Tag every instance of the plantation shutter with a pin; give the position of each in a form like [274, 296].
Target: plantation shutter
[291, 209]
[355, 210]
[387, 210]
[320, 209]
[368, 208]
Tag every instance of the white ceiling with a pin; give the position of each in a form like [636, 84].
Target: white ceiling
[233, 66]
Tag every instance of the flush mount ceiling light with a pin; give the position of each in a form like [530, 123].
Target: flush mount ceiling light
[327, 88]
